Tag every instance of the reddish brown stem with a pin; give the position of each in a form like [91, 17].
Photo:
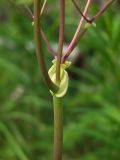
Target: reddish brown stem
[99, 13]
[78, 9]
[61, 39]
[102, 10]
[73, 42]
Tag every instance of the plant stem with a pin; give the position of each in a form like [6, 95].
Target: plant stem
[39, 50]
[49, 47]
[78, 9]
[77, 41]
[61, 38]
[99, 13]
[58, 128]
[22, 9]
[43, 7]
[73, 42]
[102, 10]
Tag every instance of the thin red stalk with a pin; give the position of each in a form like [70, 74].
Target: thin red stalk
[102, 10]
[99, 13]
[73, 42]
[78, 9]
[61, 39]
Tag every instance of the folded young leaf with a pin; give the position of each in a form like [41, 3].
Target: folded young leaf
[64, 79]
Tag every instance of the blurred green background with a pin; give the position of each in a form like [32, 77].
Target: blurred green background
[92, 105]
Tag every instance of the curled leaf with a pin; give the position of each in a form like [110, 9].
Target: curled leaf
[64, 79]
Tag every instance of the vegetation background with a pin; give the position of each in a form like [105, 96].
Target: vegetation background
[92, 105]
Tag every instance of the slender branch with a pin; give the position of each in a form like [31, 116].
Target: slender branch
[28, 10]
[77, 41]
[51, 50]
[61, 38]
[23, 9]
[58, 128]
[81, 35]
[99, 13]
[78, 9]
[43, 7]
[102, 10]
[28, 13]
[73, 42]
[39, 51]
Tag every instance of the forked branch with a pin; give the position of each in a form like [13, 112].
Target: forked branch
[77, 35]
[99, 13]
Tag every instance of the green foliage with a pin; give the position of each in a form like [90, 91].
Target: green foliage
[91, 108]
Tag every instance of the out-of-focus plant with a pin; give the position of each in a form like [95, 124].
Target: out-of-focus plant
[56, 78]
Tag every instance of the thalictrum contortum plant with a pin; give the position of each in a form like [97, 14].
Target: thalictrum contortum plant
[56, 79]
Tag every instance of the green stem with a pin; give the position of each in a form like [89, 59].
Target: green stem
[39, 49]
[58, 128]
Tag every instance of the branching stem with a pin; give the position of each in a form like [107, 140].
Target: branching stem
[73, 42]
[99, 13]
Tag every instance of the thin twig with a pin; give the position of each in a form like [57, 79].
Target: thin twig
[61, 39]
[51, 50]
[24, 9]
[78, 9]
[102, 10]
[99, 13]
[77, 41]
[28, 10]
[75, 37]
[43, 7]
